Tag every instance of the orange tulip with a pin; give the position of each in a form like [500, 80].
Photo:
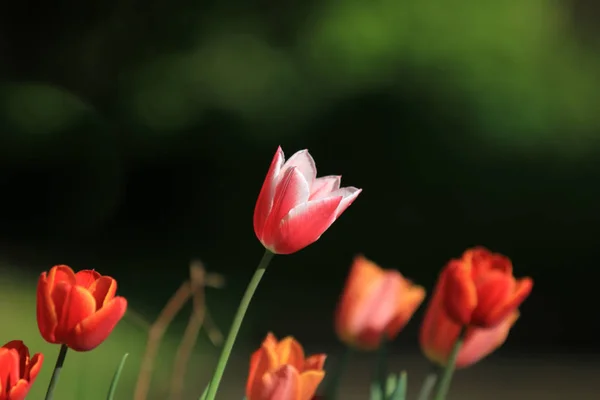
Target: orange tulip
[481, 289]
[79, 309]
[375, 302]
[439, 333]
[279, 371]
[17, 370]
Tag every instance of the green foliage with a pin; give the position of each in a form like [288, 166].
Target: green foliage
[395, 388]
[115, 380]
[518, 68]
[40, 109]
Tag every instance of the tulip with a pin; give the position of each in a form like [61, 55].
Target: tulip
[439, 332]
[481, 289]
[375, 302]
[294, 207]
[78, 310]
[17, 370]
[279, 371]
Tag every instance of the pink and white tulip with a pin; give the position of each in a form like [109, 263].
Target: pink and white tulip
[295, 207]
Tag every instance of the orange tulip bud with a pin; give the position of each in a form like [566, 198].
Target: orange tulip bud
[375, 302]
[481, 289]
[17, 370]
[79, 309]
[279, 371]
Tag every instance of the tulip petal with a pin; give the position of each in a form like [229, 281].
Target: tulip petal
[86, 278]
[79, 304]
[267, 194]
[438, 332]
[309, 382]
[480, 342]
[9, 368]
[103, 289]
[290, 352]
[316, 362]
[410, 298]
[263, 360]
[305, 224]
[482, 260]
[60, 298]
[494, 289]
[282, 384]
[460, 294]
[254, 363]
[377, 310]
[521, 290]
[323, 186]
[270, 340]
[20, 390]
[35, 365]
[291, 191]
[22, 355]
[93, 330]
[61, 273]
[303, 161]
[349, 194]
[362, 276]
[46, 309]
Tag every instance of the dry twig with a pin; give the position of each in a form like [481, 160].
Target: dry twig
[194, 288]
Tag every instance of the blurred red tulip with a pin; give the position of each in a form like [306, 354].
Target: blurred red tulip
[294, 207]
[439, 333]
[279, 371]
[440, 330]
[375, 302]
[481, 289]
[17, 370]
[80, 309]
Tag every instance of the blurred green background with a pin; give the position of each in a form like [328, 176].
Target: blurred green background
[134, 137]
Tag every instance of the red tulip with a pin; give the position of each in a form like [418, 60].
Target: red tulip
[295, 207]
[80, 309]
[375, 302]
[439, 333]
[481, 289]
[280, 371]
[17, 370]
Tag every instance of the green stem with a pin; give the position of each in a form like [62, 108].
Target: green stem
[381, 374]
[56, 373]
[444, 386]
[334, 382]
[213, 386]
[429, 384]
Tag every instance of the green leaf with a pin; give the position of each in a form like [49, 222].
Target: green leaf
[400, 391]
[390, 386]
[115, 380]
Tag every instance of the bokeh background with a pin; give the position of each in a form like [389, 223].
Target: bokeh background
[135, 136]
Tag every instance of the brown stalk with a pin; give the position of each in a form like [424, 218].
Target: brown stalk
[198, 278]
[155, 335]
[194, 288]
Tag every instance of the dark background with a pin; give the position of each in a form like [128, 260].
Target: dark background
[135, 136]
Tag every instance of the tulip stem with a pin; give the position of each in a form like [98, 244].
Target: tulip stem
[444, 385]
[56, 373]
[213, 386]
[382, 367]
[334, 382]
